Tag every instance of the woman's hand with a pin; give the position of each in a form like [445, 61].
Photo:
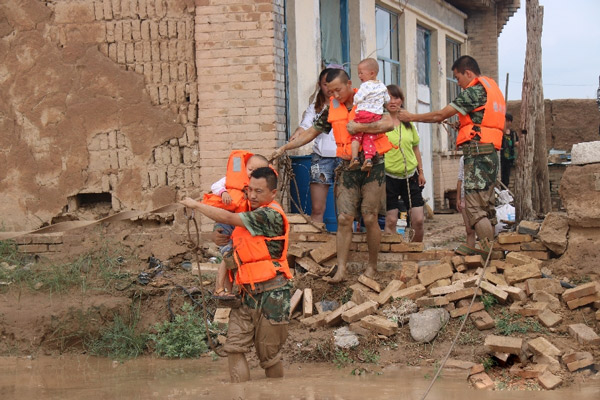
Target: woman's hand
[422, 180]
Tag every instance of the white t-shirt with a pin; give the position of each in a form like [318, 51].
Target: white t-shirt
[324, 144]
[371, 96]
[461, 176]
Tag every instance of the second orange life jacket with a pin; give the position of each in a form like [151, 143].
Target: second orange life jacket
[236, 181]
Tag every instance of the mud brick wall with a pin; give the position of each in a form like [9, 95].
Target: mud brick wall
[241, 81]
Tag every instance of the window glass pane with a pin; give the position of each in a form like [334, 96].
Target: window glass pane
[452, 88]
[387, 46]
[423, 55]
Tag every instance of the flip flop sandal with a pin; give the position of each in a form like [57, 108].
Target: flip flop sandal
[223, 295]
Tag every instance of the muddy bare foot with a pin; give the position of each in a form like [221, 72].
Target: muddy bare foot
[370, 272]
[337, 278]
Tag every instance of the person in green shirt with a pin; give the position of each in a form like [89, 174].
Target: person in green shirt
[404, 170]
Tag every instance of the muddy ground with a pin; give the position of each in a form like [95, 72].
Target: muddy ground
[49, 317]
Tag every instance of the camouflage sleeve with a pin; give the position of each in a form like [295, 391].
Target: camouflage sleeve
[263, 221]
[321, 124]
[469, 99]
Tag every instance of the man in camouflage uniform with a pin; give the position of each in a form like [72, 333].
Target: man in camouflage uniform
[263, 317]
[357, 193]
[481, 159]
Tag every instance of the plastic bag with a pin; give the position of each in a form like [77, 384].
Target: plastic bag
[504, 212]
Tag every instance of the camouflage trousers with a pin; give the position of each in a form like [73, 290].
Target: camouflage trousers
[481, 171]
[262, 321]
[358, 192]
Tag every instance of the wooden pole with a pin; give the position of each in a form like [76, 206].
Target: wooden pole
[506, 89]
[532, 182]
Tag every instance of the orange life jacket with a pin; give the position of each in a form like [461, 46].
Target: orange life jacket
[339, 116]
[492, 125]
[236, 181]
[252, 256]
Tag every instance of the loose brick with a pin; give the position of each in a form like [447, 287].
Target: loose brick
[538, 255]
[443, 290]
[515, 293]
[504, 344]
[307, 303]
[295, 300]
[379, 325]
[528, 309]
[507, 247]
[508, 238]
[579, 291]
[457, 260]
[541, 346]
[335, 317]
[413, 247]
[475, 261]
[409, 271]
[573, 356]
[549, 319]
[528, 228]
[325, 251]
[499, 294]
[534, 246]
[582, 301]
[519, 258]
[296, 251]
[392, 287]
[413, 292]
[576, 365]
[482, 320]
[457, 312]
[360, 311]
[316, 320]
[459, 364]
[494, 278]
[598, 315]
[498, 265]
[431, 302]
[547, 285]
[584, 334]
[431, 274]
[531, 371]
[476, 369]
[221, 316]
[311, 266]
[463, 294]
[440, 283]
[522, 273]
[482, 381]
[549, 381]
[394, 238]
[369, 282]
[361, 293]
[358, 329]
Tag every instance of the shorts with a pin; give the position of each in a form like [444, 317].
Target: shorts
[359, 192]
[395, 188]
[261, 320]
[227, 250]
[481, 171]
[322, 169]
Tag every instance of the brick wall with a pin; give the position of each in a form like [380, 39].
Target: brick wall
[445, 175]
[483, 40]
[241, 80]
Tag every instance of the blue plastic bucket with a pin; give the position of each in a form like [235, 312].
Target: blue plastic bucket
[301, 168]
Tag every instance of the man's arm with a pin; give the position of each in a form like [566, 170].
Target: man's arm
[304, 137]
[385, 124]
[214, 213]
[430, 117]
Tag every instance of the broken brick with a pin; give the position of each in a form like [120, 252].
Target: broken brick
[335, 317]
[584, 334]
[549, 319]
[463, 294]
[386, 294]
[475, 261]
[504, 344]
[499, 294]
[295, 300]
[457, 312]
[307, 303]
[521, 273]
[412, 292]
[482, 320]
[379, 325]
[325, 251]
[549, 381]
[515, 293]
[528, 309]
[360, 311]
[409, 271]
[547, 285]
[519, 258]
[316, 320]
[431, 274]
[541, 346]
[482, 381]
[369, 282]
[579, 291]
[508, 238]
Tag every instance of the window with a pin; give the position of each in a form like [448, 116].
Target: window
[452, 88]
[423, 52]
[335, 39]
[386, 25]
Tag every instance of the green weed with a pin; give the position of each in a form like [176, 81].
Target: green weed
[488, 301]
[119, 341]
[508, 323]
[488, 363]
[370, 356]
[185, 337]
[342, 358]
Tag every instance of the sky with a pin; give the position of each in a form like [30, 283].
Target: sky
[570, 50]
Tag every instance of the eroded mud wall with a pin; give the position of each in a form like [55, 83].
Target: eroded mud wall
[97, 97]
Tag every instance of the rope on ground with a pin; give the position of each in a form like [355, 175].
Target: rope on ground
[439, 370]
[196, 247]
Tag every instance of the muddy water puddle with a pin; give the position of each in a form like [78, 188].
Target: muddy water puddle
[91, 378]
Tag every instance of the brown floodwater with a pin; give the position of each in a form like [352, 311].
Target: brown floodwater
[92, 378]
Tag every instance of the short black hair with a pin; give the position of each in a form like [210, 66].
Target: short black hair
[337, 73]
[509, 117]
[465, 63]
[267, 173]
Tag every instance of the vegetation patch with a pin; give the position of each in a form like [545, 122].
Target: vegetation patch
[184, 337]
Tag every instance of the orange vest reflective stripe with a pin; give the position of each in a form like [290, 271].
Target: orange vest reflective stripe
[236, 180]
[252, 256]
[339, 116]
[493, 121]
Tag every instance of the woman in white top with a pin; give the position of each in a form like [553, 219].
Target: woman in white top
[324, 161]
